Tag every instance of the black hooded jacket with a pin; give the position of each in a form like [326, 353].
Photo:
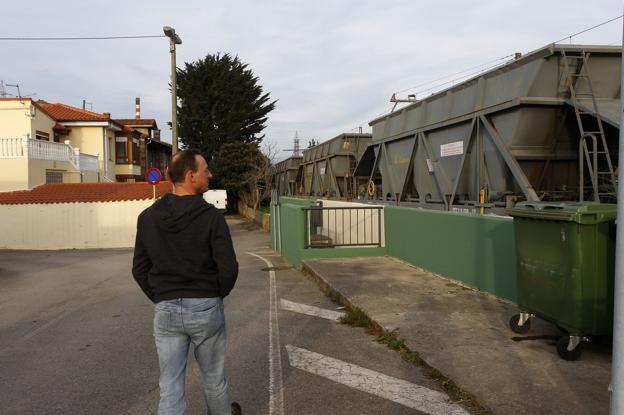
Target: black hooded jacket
[183, 249]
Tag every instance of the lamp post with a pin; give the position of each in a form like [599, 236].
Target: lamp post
[174, 40]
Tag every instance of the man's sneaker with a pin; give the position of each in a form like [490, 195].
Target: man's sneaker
[236, 409]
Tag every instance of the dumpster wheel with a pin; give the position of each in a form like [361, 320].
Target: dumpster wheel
[514, 324]
[570, 347]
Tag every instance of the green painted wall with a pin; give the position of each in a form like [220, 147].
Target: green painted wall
[292, 221]
[477, 250]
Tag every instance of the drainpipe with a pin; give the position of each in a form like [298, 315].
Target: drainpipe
[105, 153]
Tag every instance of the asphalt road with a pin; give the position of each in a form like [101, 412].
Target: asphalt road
[76, 338]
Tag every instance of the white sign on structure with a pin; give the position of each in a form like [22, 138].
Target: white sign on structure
[452, 149]
[429, 166]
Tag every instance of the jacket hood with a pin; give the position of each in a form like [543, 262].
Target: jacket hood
[175, 213]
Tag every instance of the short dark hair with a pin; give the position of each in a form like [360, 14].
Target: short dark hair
[181, 162]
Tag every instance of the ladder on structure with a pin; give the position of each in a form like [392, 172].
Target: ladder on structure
[350, 180]
[596, 152]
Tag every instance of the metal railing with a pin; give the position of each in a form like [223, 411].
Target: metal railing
[88, 162]
[328, 227]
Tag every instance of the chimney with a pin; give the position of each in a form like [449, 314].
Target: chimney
[106, 114]
[137, 108]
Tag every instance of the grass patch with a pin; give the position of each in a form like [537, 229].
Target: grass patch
[356, 317]
[392, 340]
[395, 342]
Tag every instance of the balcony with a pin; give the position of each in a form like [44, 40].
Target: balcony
[28, 163]
[15, 148]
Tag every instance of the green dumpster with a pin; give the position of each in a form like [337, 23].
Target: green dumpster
[565, 260]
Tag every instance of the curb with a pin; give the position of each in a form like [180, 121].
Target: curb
[473, 402]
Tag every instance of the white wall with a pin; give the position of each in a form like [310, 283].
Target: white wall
[70, 225]
[347, 227]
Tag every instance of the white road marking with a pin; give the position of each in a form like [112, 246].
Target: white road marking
[366, 380]
[276, 386]
[310, 310]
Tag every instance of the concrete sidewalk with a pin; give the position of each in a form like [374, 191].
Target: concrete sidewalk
[465, 335]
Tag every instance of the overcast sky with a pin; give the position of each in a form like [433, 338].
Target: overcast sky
[332, 64]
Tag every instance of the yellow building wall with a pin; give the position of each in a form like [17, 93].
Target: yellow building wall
[14, 174]
[90, 141]
[42, 122]
[127, 169]
[70, 225]
[24, 174]
[15, 121]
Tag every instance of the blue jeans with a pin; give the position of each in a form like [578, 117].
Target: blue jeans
[177, 324]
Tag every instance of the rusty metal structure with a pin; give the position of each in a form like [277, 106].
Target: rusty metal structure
[327, 168]
[282, 177]
[543, 126]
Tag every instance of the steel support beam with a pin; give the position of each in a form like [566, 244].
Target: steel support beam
[463, 161]
[510, 160]
[410, 168]
[436, 167]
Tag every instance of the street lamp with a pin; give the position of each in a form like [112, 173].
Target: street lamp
[174, 40]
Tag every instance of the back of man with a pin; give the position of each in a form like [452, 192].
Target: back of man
[184, 262]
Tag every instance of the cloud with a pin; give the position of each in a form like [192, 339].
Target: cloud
[333, 64]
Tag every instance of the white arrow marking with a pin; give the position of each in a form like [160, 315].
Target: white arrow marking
[310, 310]
[366, 380]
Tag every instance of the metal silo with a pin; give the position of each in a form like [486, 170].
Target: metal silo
[327, 168]
[541, 127]
[283, 176]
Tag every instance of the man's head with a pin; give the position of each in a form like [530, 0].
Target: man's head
[189, 170]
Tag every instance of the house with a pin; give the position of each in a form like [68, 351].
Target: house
[35, 148]
[151, 151]
[42, 142]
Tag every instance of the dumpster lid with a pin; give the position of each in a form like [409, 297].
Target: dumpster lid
[586, 213]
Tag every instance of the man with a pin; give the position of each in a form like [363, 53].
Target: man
[185, 263]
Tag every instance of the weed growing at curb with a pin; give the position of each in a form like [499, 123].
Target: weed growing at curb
[356, 317]
[395, 342]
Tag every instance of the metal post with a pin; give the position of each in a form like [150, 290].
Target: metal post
[617, 360]
[174, 40]
[174, 99]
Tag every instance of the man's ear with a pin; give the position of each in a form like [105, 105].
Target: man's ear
[189, 175]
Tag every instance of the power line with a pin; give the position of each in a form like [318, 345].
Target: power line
[591, 28]
[81, 38]
[496, 60]
[454, 74]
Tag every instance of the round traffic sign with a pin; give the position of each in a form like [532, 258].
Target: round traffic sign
[153, 176]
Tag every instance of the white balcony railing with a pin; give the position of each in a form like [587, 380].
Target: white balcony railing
[47, 150]
[11, 148]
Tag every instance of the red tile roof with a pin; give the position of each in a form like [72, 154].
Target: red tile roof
[84, 192]
[64, 112]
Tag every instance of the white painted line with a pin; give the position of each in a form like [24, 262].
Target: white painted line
[276, 386]
[310, 310]
[366, 380]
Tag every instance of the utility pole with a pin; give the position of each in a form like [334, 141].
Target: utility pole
[174, 40]
[617, 360]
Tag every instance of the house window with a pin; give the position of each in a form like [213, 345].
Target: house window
[40, 135]
[135, 151]
[54, 176]
[121, 150]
